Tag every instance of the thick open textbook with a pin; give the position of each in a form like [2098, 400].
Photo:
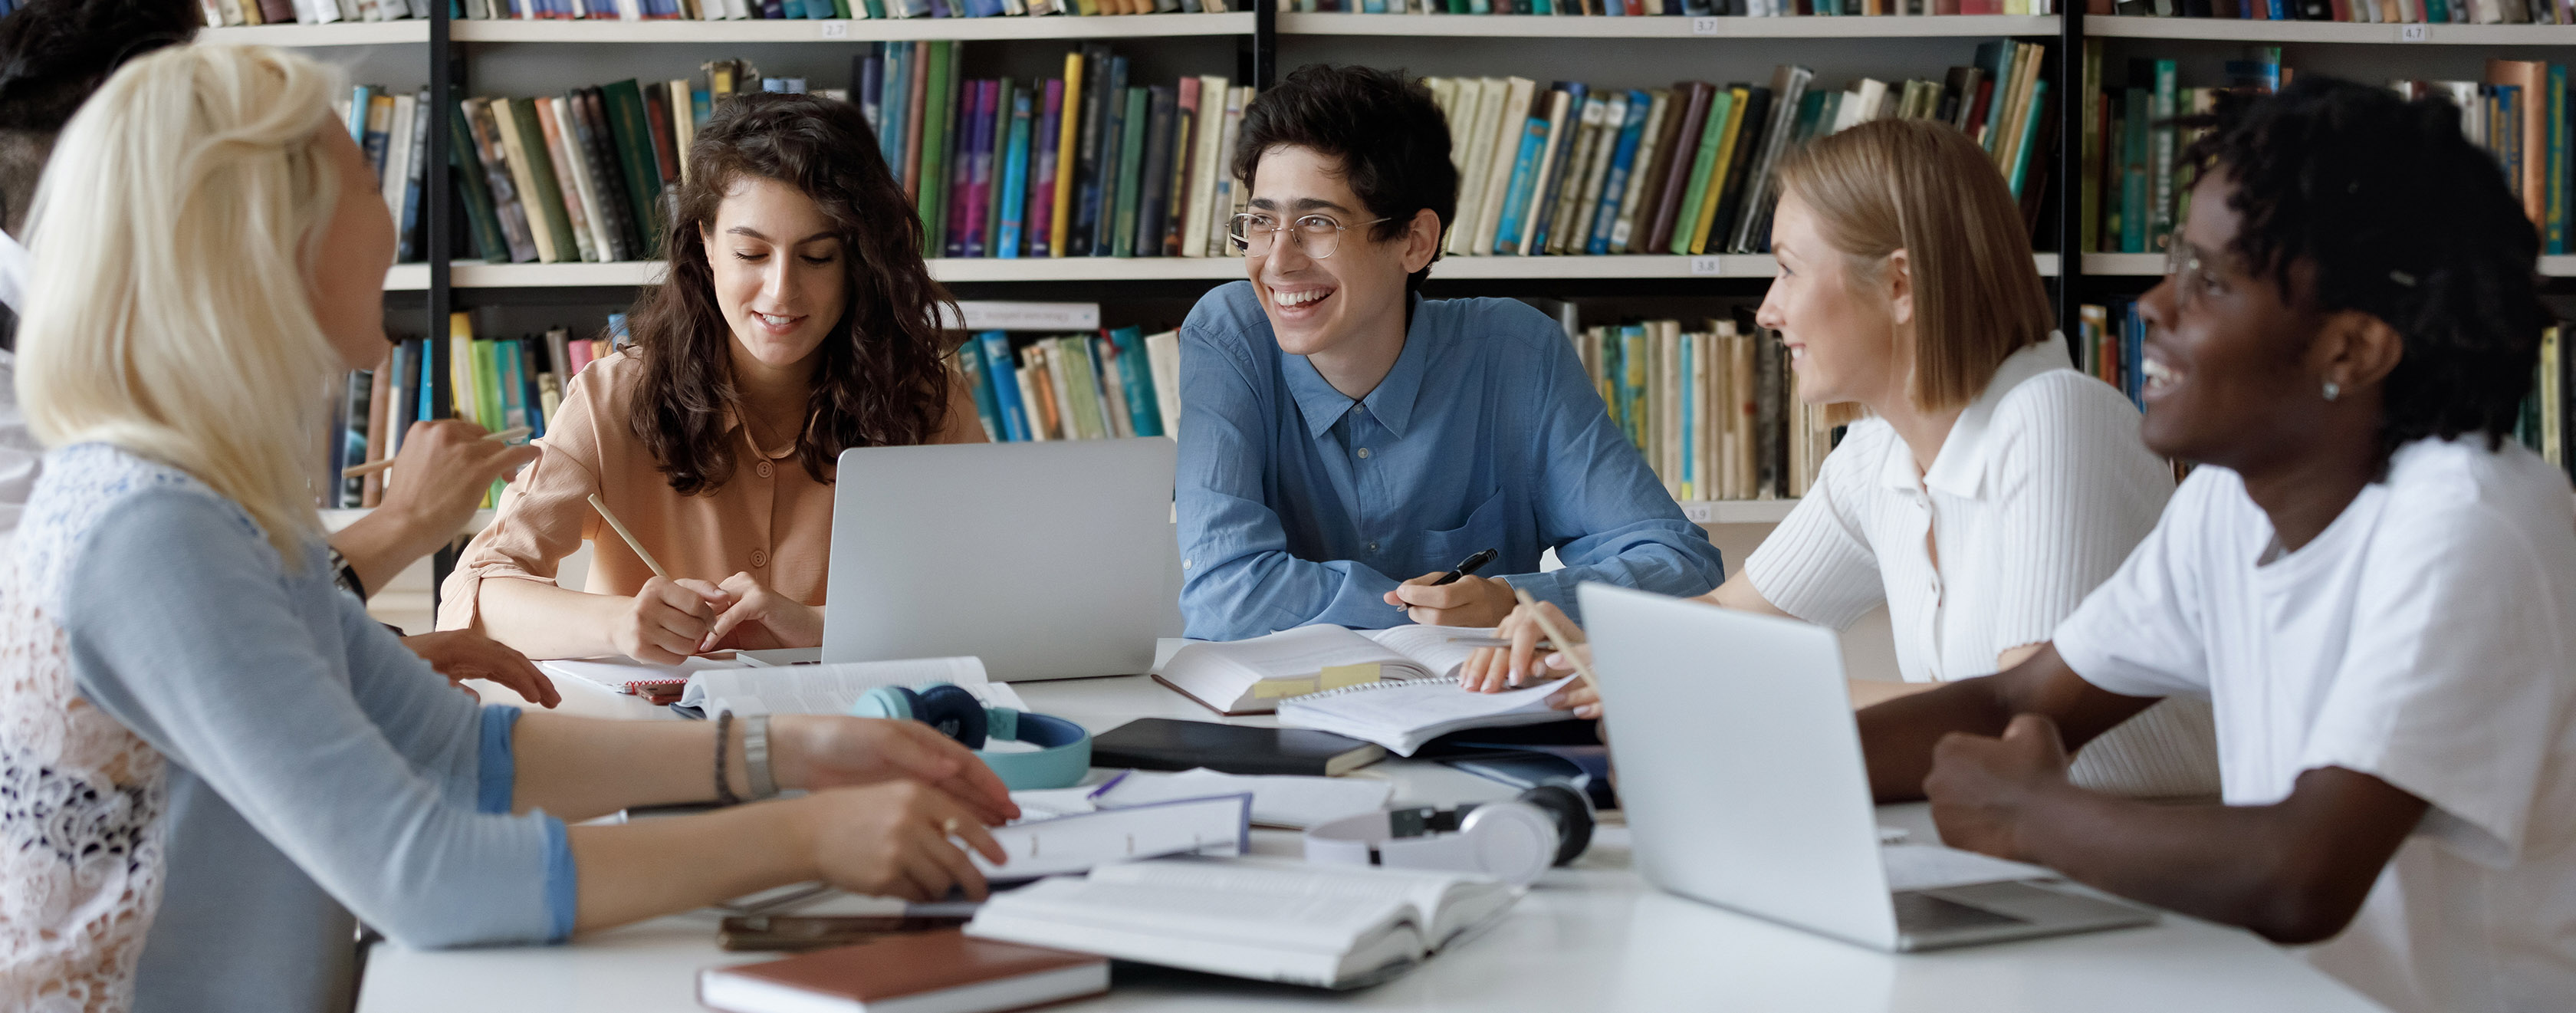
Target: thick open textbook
[1273, 920]
[1253, 676]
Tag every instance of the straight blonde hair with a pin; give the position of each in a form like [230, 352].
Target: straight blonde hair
[174, 237]
[1923, 187]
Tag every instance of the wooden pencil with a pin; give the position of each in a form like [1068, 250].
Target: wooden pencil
[372, 467]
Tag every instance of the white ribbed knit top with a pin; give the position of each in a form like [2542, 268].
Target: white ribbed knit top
[2039, 492]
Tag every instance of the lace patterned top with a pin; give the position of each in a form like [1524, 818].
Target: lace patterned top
[212, 764]
[81, 800]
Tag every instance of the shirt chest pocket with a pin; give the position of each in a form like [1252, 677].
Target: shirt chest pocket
[1483, 529]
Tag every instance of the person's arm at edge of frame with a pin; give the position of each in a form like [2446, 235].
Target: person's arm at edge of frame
[1987, 752]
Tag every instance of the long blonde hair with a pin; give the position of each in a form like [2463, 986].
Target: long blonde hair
[1925, 188]
[174, 237]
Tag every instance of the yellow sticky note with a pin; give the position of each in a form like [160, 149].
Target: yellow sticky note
[1271, 689]
[1338, 676]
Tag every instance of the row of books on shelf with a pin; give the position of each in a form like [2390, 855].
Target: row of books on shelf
[291, 12]
[581, 176]
[1714, 410]
[2454, 12]
[731, 10]
[1111, 384]
[1085, 164]
[2136, 192]
[390, 129]
[496, 383]
[1688, 170]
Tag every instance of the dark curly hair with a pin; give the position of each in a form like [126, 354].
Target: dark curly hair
[53, 54]
[2401, 218]
[882, 380]
[1383, 125]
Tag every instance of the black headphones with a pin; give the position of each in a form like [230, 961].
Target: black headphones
[1515, 841]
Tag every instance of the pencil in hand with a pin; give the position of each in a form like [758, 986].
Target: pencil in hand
[372, 467]
[620, 527]
[1558, 637]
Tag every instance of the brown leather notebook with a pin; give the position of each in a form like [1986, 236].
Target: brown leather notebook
[927, 972]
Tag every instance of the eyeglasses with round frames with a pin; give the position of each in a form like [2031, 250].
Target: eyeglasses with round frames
[1254, 234]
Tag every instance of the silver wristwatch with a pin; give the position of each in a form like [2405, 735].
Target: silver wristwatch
[755, 757]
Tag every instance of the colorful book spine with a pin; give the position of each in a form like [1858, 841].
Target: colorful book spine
[1015, 188]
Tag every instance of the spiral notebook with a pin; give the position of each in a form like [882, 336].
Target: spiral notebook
[1402, 715]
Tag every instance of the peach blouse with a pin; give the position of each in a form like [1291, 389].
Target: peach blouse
[772, 520]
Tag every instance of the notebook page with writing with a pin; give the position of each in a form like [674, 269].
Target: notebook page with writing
[831, 689]
[1403, 715]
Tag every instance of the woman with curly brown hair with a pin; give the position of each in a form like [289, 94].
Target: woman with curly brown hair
[798, 320]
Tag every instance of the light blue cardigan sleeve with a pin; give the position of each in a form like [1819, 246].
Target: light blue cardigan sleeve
[371, 777]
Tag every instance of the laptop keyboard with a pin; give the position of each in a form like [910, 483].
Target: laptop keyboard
[1922, 913]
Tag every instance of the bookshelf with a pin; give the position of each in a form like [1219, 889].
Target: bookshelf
[1133, 26]
[363, 33]
[2108, 265]
[2240, 30]
[475, 274]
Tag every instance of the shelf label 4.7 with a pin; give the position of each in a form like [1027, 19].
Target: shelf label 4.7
[2414, 33]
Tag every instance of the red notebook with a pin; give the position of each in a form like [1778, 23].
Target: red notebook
[927, 972]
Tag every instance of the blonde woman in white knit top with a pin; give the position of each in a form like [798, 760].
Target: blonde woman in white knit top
[1984, 486]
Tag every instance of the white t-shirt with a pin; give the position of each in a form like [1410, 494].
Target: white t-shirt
[2426, 638]
[20, 454]
[2040, 490]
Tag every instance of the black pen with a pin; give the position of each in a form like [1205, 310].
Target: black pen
[1467, 566]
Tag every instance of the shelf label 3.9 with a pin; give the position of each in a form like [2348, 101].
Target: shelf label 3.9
[1700, 513]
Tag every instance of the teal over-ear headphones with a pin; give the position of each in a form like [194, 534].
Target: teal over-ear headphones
[1061, 762]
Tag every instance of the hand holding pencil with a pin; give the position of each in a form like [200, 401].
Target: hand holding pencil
[1542, 643]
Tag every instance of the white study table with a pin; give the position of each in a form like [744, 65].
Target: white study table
[1589, 937]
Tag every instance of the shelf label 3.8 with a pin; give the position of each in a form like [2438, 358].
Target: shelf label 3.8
[1708, 265]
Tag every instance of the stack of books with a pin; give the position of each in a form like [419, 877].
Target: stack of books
[1082, 165]
[577, 177]
[2136, 192]
[1110, 385]
[1714, 410]
[726, 10]
[1688, 170]
[224, 13]
[497, 383]
[389, 127]
[2456, 12]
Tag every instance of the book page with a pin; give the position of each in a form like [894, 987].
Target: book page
[1422, 894]
[1069, 844]
[1440, 650]
[1315, 923]
[1285, 800]
[1410, 707]
[822, 689]
[1220, 673]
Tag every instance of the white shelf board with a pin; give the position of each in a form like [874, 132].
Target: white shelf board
[1732, 265]
[2241, 30]
[346, 33]
[476, 274]
[1545, 26]
[799, 30]
[1738, 511]
[407, 278]
[2152, 264]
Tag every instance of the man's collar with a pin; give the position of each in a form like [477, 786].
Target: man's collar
[1960, 469]
[1390, 402]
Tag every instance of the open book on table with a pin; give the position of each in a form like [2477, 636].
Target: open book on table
[1403, 716]
[1328, 926]
[1253, 676]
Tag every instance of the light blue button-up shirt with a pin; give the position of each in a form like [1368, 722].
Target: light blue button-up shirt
[1299, 505]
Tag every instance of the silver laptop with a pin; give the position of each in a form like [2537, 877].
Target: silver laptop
[1047, 560]
[1740, 770]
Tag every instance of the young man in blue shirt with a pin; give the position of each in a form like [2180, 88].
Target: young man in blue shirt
[1340, 433]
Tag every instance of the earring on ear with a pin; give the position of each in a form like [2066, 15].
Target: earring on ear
[2333, 391]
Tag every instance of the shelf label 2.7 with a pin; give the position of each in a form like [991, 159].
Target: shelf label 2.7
[836, 29]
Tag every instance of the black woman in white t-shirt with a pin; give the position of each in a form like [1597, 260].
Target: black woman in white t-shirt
[2371, 581]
